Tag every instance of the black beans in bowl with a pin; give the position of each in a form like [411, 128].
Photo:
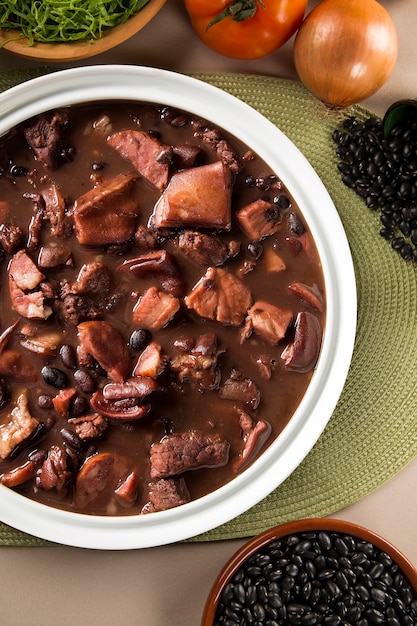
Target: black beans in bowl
[315, 572]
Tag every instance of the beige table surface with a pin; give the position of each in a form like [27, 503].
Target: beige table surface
[167, 586]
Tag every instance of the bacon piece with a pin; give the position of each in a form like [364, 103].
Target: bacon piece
[20, 427]
[259, 219]
[25, 276]
[24, 272]
[63, 400]
[106, 213]
[199, 197]
[145, 153]
[268, 321]
[127, 491]
[151, 362]
[221, 296]
[107, 346]
[155, 309]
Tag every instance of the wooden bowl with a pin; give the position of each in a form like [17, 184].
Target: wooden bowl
[58, 52]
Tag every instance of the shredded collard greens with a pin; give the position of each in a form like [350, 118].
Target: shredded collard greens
[65, 20]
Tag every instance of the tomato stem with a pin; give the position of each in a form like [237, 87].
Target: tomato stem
[237, 10]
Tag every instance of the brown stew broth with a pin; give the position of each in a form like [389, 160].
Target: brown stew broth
[178, 407]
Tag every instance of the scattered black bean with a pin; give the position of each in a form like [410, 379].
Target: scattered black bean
[85, 381]
[71, 438]
[139, 339]
[68, 356]
[350, 583]
[45, 402]
[383, 171]
[54, 377]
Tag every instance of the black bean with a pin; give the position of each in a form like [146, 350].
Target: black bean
[85, 381]
[45, 402]
[139, 339]
[71, 438]
[68, 356]
[79, 406]
[54, 377]
[350, 582]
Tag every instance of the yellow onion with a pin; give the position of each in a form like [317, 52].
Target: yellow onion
[345, 50]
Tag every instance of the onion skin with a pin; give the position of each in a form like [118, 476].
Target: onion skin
[345, 50]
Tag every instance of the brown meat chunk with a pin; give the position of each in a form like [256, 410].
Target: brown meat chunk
[107, 346]
[240, 389]
[11, 237]
[55, 256]
[89, 426]
[198, 362]
[45, 135]
[166, 493]
[269, 321]
[159, 267]
[106, 213]
[180, 452]
[24, 272]
[146, 154]
[205, 249]
[145, 238]
[151, 362]
[55, 472]
[93, 278]
[219, 295]
[155, 309]
[199, 197]
[74, 309]
[212, 137]
[20, 427]
[259, 219]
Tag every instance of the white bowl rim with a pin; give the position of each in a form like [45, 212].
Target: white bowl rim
[128, 82]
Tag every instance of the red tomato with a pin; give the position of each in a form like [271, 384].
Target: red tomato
[245, 29]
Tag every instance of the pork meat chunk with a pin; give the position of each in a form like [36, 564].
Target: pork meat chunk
[180, 452]
[269, 321]
[219, 295]
[199, 197]
[20, 427]
[155, 309]
[259, 219]
[147, 154]
[106, 213]
[206, 250]
[166, 493]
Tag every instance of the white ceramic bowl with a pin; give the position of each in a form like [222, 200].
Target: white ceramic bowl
[88, 84]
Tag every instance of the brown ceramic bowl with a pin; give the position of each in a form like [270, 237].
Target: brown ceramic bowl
[288, 615]
[59, 52]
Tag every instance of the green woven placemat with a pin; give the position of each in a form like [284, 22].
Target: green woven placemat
[373, 431]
